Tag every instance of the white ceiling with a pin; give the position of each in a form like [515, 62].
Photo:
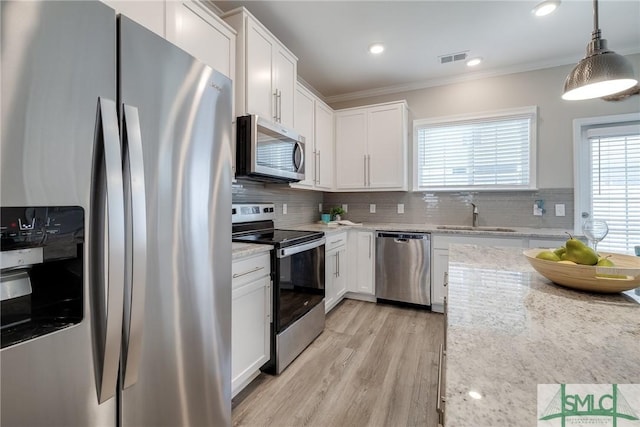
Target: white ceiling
[331, 39]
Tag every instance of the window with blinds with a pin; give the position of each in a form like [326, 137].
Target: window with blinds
[494, 151]
[615, 185]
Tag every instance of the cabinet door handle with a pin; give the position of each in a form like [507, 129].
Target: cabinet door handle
[439, 385]
[275, 106]
[365, 170]
[279, 104]
[446, 321]
[269, 301]
[338, 254]
[369, 170]
[236, 275]
[369, 246]
[319, 166]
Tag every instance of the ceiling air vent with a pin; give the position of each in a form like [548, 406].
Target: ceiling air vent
[452, 57]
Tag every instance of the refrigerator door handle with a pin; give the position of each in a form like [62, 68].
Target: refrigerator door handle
[136, 259]
[108, 249]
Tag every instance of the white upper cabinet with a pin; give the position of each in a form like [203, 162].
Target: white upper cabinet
[324, 142]
[197, 30]
[150, 14]
[351, 149]
[313, 119]
[304, 123]
[265, 70]
[371, 147]
[285, 74]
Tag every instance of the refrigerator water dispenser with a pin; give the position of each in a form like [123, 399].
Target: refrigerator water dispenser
[41, 271]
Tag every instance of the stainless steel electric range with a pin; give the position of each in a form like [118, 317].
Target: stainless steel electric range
[297, 274]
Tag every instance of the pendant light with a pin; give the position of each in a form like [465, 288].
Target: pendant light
[601, 73]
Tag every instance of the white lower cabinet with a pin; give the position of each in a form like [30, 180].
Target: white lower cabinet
[440, 259]
[362, 257]
[439, 266]
[335, 262]
[250, 319]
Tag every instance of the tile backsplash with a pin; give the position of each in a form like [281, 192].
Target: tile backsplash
[506, 208]
[302, 205]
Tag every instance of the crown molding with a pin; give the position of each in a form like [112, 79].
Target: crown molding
[521, 68]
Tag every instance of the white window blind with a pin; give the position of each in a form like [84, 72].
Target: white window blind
[486, 152]
[615, 185]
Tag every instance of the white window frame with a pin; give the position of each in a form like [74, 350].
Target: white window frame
[582, 160]
[503, 113]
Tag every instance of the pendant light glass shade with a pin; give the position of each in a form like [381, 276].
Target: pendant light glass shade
[601, 73]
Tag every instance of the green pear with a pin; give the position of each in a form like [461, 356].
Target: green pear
[605, 262]
[579, 253]
[548, 255]
[561, 250]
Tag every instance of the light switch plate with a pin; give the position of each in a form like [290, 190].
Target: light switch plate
[400, 208]
[345, 208]
[320, 207]
[560, 209]
[372, 208]
[284, 209]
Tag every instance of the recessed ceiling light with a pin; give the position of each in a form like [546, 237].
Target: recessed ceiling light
[475, 395]
[546, 7]
[473, 62]
[376, 48]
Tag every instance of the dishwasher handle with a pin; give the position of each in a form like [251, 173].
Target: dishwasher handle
[403, 237]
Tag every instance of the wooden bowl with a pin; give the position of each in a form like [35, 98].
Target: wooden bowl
[589, 277]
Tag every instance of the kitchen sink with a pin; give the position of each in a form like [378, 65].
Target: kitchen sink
[469, 228]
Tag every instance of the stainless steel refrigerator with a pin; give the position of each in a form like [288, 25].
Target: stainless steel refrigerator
[100, 114]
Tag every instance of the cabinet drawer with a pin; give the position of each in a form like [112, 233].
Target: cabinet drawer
[335, 241]
[248, 269]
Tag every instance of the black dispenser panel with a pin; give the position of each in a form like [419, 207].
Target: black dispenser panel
[42, 271]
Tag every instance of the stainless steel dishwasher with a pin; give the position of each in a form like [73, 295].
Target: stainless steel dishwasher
[403, 267]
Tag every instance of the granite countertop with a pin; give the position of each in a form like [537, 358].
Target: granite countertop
[510, 329]
[239, 250]
[433, 228]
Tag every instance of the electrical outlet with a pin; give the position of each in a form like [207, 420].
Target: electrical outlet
[284, 209]
[320, 207]
[400, 208]
[560, 209]
[537, 211]
[372, 208]
[345, 208]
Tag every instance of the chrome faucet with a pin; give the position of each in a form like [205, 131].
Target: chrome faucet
[475, 215]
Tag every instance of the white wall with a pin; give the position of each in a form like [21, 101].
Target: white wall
[541, 87]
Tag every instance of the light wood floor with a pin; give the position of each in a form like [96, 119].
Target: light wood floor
[374, 365]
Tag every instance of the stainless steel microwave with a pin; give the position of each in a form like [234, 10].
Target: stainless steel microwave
[267, 151]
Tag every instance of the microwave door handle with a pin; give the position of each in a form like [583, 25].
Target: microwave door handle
[137, 258]
[297, 165]
[107, 249]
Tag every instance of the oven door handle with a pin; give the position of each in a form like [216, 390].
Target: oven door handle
[283, 253]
